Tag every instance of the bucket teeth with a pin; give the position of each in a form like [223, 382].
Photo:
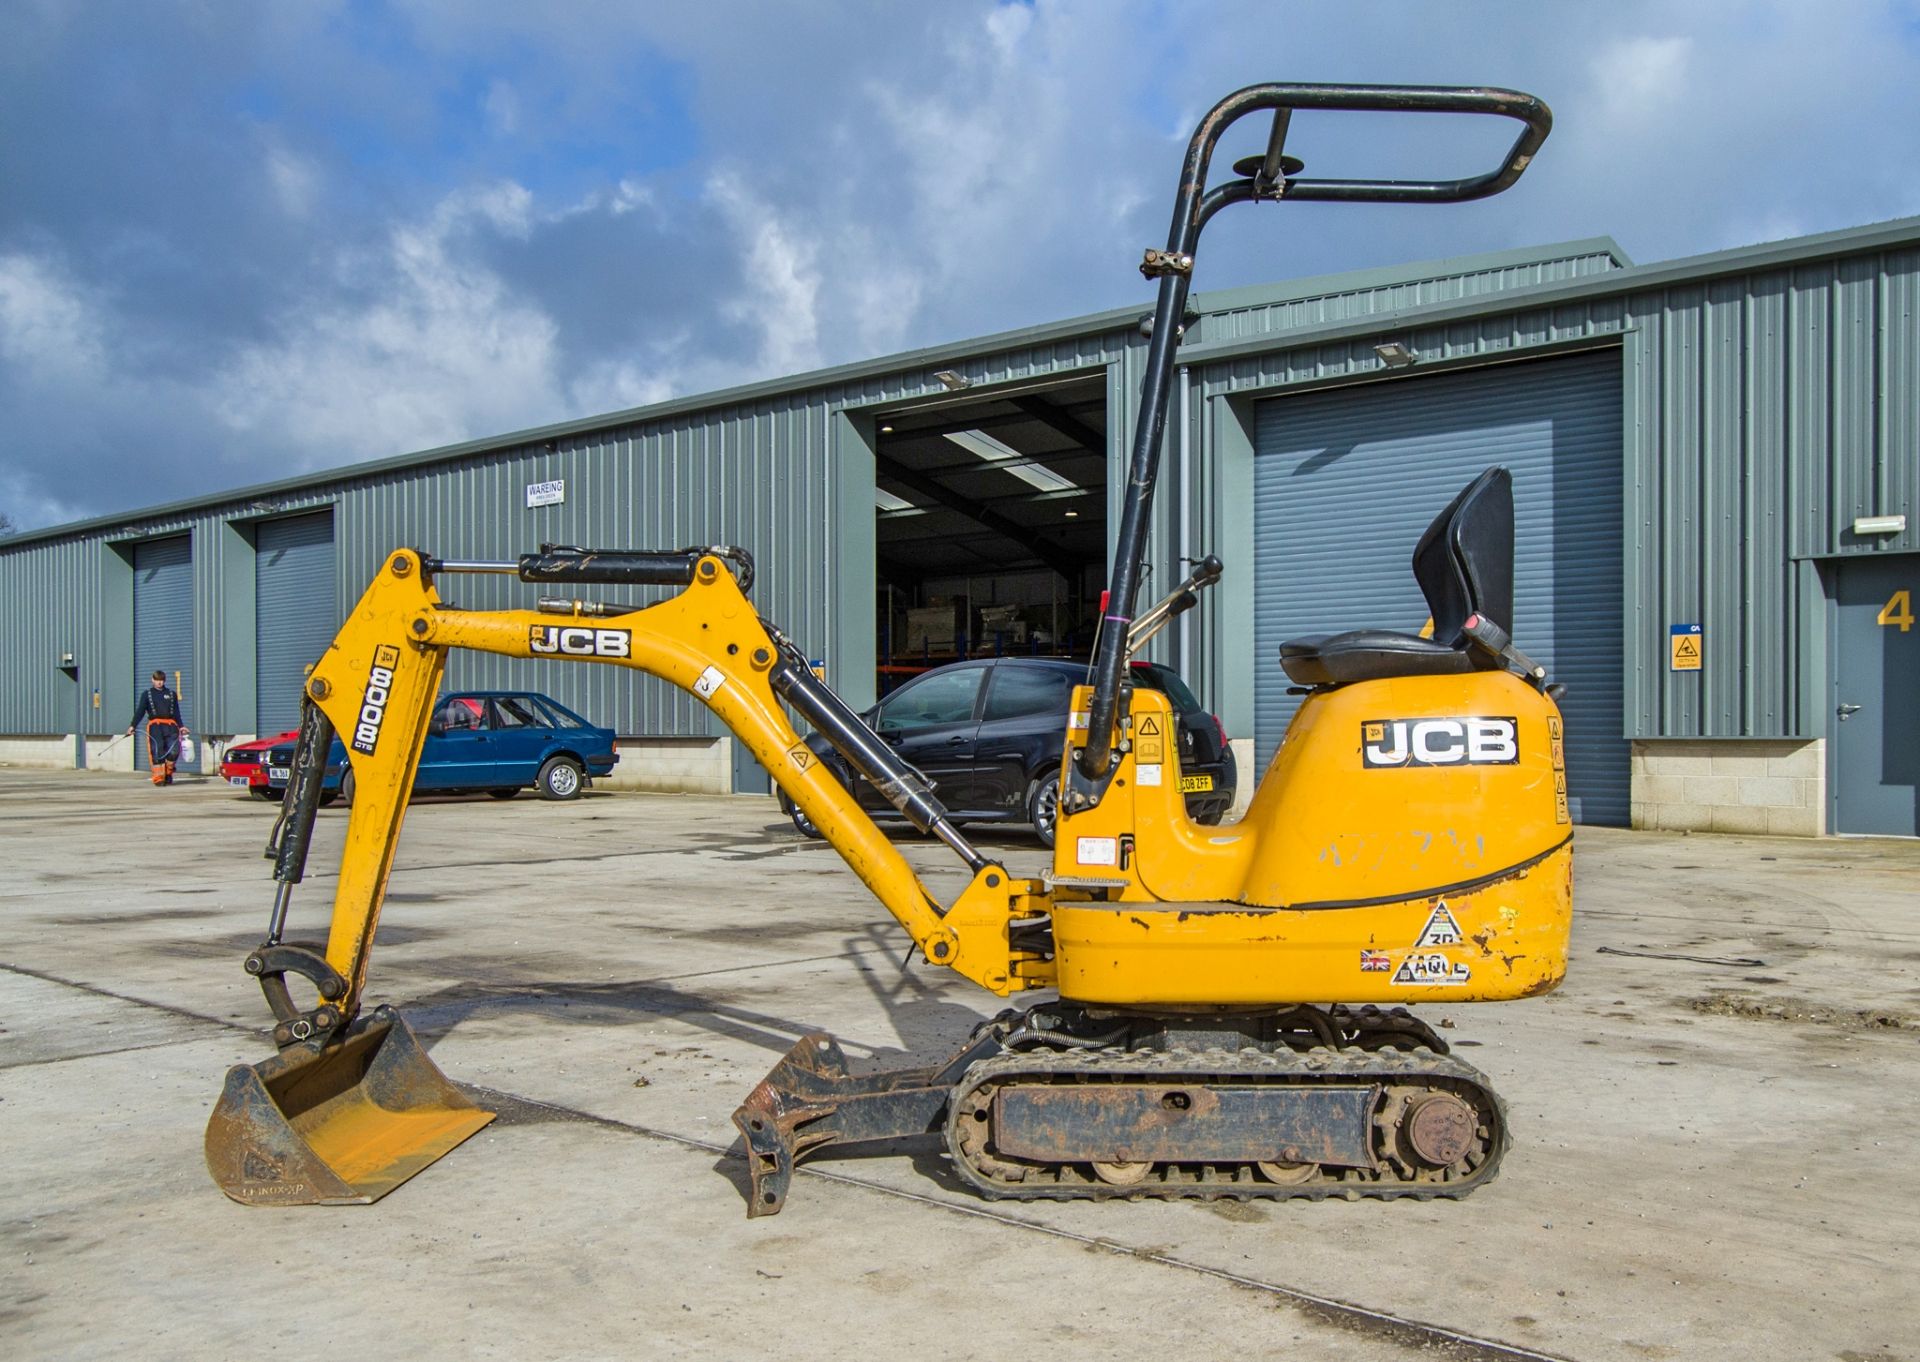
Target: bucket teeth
[341, 1123]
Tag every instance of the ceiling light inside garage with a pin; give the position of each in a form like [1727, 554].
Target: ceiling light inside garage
[979, 443]
[893, 505]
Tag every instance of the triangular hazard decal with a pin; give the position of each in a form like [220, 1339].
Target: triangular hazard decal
[1441, 929]
[1149, 727]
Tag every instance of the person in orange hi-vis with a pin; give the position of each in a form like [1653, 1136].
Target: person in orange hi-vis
[160, 707]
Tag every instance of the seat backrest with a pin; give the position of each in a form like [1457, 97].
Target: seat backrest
[1464, 562]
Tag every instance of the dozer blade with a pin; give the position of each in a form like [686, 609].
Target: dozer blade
[337, 1124]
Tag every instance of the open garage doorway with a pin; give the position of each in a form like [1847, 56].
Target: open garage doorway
[990, 526]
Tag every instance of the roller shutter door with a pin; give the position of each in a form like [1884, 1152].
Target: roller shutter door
[163, 624]
[296, 613]
[1346, 481]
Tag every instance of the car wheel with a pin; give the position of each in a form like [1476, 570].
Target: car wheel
[801, 823]
[1043, 806]
[561, 778]
[265, 792]
[507, 792]
[346, 787]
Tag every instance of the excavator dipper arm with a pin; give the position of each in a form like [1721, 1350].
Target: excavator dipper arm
[352, 1106]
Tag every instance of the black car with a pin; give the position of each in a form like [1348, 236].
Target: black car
[989, 734]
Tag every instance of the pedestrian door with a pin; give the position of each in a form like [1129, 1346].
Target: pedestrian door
[1874, 756]
[163, 626]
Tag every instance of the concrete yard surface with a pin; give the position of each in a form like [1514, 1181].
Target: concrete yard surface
[1713, 1118]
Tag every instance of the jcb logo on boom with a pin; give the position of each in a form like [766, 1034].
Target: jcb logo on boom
[573, 641]
[373, 702]
[1439, 742]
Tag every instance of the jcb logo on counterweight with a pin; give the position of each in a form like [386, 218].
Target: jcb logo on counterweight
[1439, 742]
[573, 641]
[373, 702]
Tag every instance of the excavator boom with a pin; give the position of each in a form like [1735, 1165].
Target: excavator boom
[352, 1107]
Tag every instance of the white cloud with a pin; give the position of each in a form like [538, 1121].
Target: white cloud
[1638, 81]
[781, 299]
[47, 326]
[443, 350]
[295, 180]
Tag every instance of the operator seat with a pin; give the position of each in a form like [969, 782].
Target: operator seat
[1464, 564]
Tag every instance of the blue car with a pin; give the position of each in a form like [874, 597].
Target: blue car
[499, 741]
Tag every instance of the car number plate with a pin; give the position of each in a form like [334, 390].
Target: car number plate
[241, 781]
[277, 776]
[1195, 784]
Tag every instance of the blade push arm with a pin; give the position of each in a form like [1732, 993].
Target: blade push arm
[378, 681]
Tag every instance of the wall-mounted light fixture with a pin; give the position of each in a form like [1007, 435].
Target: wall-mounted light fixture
[1395, 354]
[263, 507]
[952, 382]
[1880, 524]
[886, 430]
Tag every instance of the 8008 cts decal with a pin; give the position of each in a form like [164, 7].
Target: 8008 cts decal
[1440, 742]
[573, 641]
[373, 704]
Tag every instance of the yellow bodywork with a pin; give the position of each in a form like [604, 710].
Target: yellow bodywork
[1335, 867]
[1350, 879]
[1343, 882]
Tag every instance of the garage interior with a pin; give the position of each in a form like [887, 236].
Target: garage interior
[990, 526]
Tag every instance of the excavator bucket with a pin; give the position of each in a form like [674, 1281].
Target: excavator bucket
[336, 1124]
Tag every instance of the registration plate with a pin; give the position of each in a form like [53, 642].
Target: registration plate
[277, 776]
[1195, 784]
[241, 781]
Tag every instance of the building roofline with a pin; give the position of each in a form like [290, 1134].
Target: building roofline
[1691, 269]
[1625, 278]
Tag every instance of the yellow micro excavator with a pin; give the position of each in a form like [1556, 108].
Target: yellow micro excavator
[1212, 1019]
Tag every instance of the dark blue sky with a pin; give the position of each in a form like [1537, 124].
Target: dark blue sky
[239, 241]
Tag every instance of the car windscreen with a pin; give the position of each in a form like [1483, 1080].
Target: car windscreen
[1168, 683]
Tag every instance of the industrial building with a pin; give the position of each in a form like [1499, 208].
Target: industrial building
[1716, 462]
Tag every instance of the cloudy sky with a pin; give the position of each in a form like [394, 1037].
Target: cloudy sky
[240, 241]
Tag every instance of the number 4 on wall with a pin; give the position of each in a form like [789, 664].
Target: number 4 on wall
[1898, 611]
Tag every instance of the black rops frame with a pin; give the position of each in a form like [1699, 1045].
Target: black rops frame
[1271, 176]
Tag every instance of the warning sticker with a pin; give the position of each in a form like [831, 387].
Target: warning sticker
[1431, 969]
[801, 756]
[1148, 742]
[1098, 851]
[1148, 775]
[1686, 643]
[708, 682]
[1374, 962]
[1441, 929]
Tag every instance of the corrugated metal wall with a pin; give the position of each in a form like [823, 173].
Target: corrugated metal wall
[1772, 410]
[1763, 413]
[768, 475]
[1764, 410]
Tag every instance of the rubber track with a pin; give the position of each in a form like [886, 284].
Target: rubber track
[1420, 1068]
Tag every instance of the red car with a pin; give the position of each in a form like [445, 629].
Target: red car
[245, 764]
